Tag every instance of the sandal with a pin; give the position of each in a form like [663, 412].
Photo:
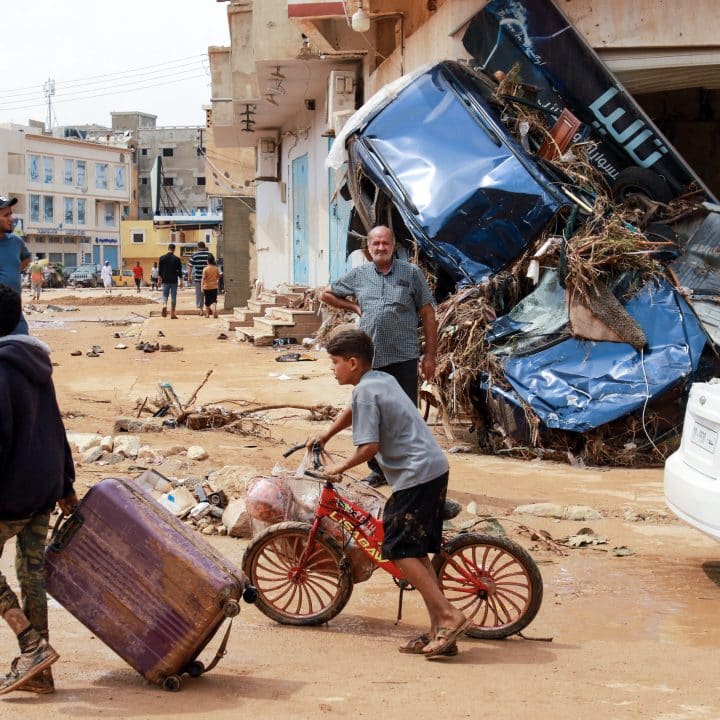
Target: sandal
[446, 637]
[415, 646]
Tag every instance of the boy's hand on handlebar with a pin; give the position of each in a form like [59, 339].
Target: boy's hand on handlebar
[334, 472]
[312, 441]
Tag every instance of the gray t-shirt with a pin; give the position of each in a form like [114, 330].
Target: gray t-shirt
[382, 413]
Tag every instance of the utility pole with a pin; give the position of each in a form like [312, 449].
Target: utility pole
[49, 90]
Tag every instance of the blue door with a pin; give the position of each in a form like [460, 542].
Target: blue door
[299, 227]
[111, 254]
[96, 254]
[339, 217]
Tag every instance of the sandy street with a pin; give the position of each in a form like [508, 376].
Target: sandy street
[632, 637]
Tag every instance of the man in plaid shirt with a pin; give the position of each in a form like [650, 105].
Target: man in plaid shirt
[390, 296]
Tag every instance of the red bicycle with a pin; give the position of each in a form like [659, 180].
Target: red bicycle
[303, 575]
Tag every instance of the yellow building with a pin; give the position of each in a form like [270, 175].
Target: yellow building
[144, 241]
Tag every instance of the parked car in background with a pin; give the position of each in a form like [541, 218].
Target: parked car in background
[68, 270]
[85, 276]
[122, 278]
[692, 473]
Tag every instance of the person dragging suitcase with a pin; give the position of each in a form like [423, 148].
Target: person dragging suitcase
[36, 471]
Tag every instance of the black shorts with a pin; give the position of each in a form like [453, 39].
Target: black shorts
[413, 521]
[210, 297]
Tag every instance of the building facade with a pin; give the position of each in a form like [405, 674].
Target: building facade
[76, 195]
[296, 69]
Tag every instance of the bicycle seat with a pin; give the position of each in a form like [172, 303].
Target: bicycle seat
[451, 509]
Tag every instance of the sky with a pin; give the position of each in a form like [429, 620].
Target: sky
[136, 55]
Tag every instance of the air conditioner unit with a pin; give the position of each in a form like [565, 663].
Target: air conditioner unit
[266, 166]
[340, 96]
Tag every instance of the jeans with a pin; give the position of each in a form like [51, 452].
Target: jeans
[198, 294]
[171, 290]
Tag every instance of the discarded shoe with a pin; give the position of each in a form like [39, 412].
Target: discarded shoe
[120, 346]
[170, 348]
[374, 480]
[161, 333]
[42, 683]
[222, 336]
[97, 349]
[76, 353]
[92, 353]
[27, 666]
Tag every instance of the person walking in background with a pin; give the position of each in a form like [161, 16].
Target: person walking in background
[138, 274]
[154, 276]
[170, 272]
[36, 471]
[209, 284]
[198, 261]
[106, 275]
[14, 255]
[391, 294]
[36, 278]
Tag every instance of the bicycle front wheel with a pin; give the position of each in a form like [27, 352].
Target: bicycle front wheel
[493, 579]
[291, 594]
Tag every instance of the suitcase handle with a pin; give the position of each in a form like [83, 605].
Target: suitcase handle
[62, 535]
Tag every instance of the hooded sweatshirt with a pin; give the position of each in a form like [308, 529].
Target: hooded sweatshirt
[36, 466]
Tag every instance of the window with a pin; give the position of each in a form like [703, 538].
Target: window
[143, 181]
[81, 211]
[68, 172]
[48, 169]
[70, 259]
[120, 177]
[200, 180]
[55, 257]
[167, 152]
[146, 211]
[168, 181]
[101, 176]
[138, 237]
[81, 174]
[48, 209]
[35, 208]
[143, 151]
[109, 214]
[34, 168]
[69, 214]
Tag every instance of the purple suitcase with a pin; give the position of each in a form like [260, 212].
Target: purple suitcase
[148, 586]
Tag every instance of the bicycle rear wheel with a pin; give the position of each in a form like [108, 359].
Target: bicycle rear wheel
[309, 595]
[492, 578]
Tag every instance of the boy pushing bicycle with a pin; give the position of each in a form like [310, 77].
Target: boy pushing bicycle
[386, 424]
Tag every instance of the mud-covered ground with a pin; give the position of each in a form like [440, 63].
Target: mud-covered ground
[632, 637]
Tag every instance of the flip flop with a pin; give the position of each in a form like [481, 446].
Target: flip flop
[447, 636]
[415, 646]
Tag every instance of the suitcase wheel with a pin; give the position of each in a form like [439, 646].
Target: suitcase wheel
[195, 669]
[231, 608]
[172, 683]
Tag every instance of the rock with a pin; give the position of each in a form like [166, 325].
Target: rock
[208, 530]
[472, 507]
[174, 450]
[94, 455]
[232, 479]
[195, 452]
[107, 443]
[82, 442]
[236, 519]
[127, 445]
[134, 425]
[560, 512]
[110, 459]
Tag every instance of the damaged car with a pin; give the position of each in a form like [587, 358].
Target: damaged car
[568, 241]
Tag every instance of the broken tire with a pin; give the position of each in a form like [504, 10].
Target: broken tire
[641, 181]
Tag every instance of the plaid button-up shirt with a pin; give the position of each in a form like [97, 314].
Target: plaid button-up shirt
[389, 304]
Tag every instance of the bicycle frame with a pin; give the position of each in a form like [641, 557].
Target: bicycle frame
[363, 527]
